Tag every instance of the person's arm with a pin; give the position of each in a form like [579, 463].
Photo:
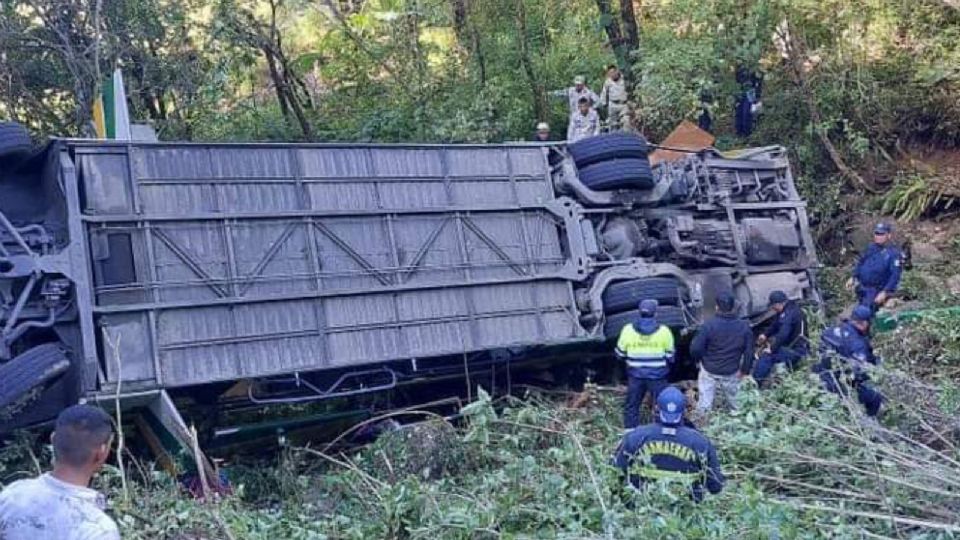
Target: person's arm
[747, 361]
[715, 479]
[594, 98]
[622, 345]
[564, 92]
[669, 346]
[771, 330]
[596, 122]
[699, 344]
[783, 330]
[571, 127]
[895, 269]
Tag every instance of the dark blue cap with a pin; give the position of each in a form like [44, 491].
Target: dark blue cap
[648, 307]
[778, 297]
[671, 403]
[861, 313]
[882, 228]
[726, 301]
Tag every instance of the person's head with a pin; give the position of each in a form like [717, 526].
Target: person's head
[82, 438]
[583, 105]
[860, 318]
[671, 404]
[579, 82]
[613, 72]
[726, 302]
[778, 301]
[648, 308]
[882, 233]
[543, 131]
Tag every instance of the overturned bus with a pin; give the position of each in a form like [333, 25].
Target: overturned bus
[133, 270]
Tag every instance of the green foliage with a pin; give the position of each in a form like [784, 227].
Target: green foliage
[914, 196]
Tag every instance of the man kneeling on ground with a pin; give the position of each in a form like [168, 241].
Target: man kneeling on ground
[60, 505]
[668, 449]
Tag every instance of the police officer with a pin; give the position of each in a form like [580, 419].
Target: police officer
[668, 449]
[613, 96]
[845, 354]
[542, 134]
[584, 123]
[877, 273]
[783, 339]
[647, 348]
[577, 92]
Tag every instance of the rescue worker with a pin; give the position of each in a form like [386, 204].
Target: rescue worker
[575, 93]
[845, 356]
[723, 348]
[584, 123]
[613, 96]
[748, 104]
[669, 449]
[542, 134]
[647, 348]
[877, 273]
[783, 339]
[60, 505]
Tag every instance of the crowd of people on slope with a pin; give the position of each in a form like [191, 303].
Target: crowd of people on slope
[584, 104]
[724, 350]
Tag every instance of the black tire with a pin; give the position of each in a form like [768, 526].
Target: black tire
[625, 295]
[36, 367]
[630, 173]
[671, 316]
[608, 146]
[15, 143]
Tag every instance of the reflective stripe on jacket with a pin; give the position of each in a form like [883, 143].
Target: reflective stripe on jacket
[648, 354]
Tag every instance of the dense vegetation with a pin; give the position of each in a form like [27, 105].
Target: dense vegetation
[866, 94]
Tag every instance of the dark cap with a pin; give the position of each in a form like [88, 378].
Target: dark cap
[670, 405]
[726, 302]
[648, 307]
[883, 228]
[861, 313]
[778, 297]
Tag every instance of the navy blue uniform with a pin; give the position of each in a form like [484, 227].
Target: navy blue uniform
[656, 451]
[844, 353]
[877, 270]
[785, 339]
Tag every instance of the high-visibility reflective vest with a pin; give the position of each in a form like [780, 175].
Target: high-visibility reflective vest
[648, 356]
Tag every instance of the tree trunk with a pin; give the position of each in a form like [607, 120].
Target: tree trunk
[793, 51]
[538, 93]
[631, 42]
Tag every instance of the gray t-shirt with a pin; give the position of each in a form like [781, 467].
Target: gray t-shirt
[45, 508]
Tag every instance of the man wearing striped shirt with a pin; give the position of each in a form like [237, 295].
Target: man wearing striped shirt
[647, 347]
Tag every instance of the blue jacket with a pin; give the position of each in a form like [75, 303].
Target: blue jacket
[879, 267]
[724, 345]
[847, 343]
[786, 328]
[657, 451]
[648, 349]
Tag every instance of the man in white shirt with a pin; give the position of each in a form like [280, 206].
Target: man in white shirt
[60, 505]
[577, 92]
[583, 123]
